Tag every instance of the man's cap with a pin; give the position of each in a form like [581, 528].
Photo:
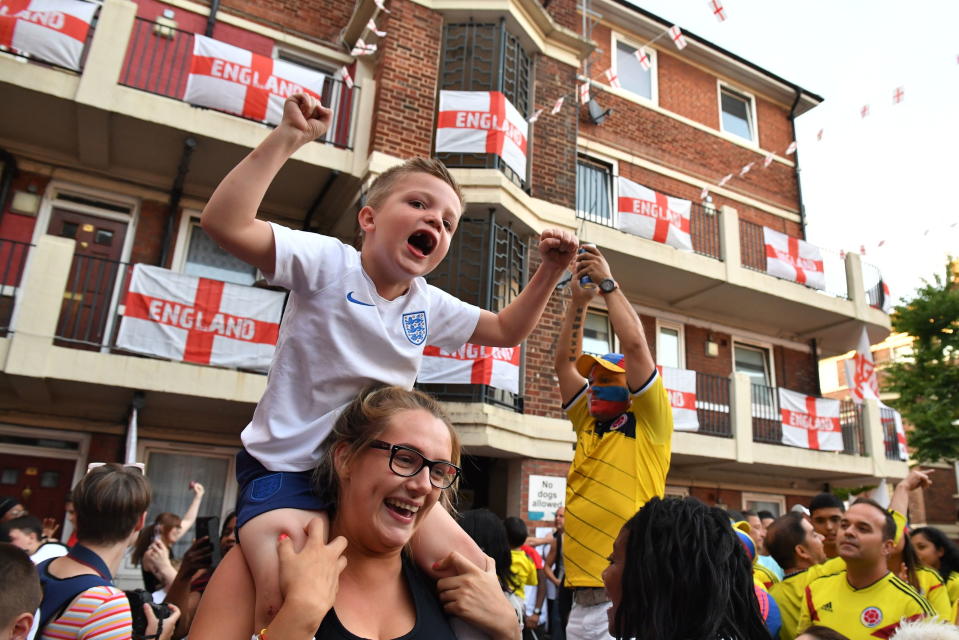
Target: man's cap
[7, 503]
[615, 362]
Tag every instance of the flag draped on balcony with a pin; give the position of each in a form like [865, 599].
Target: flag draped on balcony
[652, 215]
[793, 259]
[232, 79]
[810, 422]
[482, 122]
[54, 31]
[181, 317]
[680, 386]
[472, 364]
[861, 372]
[891, 421]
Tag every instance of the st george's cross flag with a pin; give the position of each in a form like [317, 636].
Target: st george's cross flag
[861, 372]
[232, 79]
[54, 31]
[181, 317]
[472, 364]
[793, 259]
[810, 422]
[650, 214]
[482, 122]
[680, 386]
[891, 421]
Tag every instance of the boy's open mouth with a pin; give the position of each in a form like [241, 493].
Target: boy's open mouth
[422, 242]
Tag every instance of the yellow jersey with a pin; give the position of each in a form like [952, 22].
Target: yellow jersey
[763, 577]
[932, 589]
[790, 591]
[861, 614]
[952, 587]
[523, 572]
[618, 466]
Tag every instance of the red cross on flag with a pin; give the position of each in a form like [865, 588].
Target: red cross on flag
[643, 58]
[717, 8]
[861, 372]
[347, 78]
[892, 423]
[472, 364]
[897, 95]
[680, 386]
[584, 93]
[678, 38]
[51, 30]
[181, 317]
[810, 422]
[482, 122]
[887, 302]
[245, 83]
[557, 105]
[612, 78]
[652, 215]
[793, 259]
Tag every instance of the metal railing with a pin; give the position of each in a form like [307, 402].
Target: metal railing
[704, 225]
[853, 433]
[712, 405]
[158, 61]
[34, 58]
[890, 440]
[767, 420]
[13, 259]
[89, 316]
[873, 284]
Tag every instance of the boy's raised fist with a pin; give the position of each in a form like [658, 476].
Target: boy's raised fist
[305, 114]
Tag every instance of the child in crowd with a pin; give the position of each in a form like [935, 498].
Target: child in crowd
[19, 592]
[352, 318]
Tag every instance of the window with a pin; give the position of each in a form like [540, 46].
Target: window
[205, 259]
[737, 113]
[594, 181]
[757, 502]
[597, 335]
[631, 73]
[754, 362]
[669, 345]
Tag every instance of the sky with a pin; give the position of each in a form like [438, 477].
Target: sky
[891, 177]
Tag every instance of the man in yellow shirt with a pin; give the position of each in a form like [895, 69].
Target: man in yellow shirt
[620, 411]
[798, 548]
[865, 600]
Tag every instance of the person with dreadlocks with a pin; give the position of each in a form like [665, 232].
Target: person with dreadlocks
[624, 426]
[678, 571]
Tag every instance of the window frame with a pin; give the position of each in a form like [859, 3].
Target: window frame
[181, 245]
[722, 86]
[758, 346]
[613, 165]
[613, 341]
[653, 53]
[681, 337]
[750, 496]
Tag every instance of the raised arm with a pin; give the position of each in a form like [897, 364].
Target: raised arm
[230, 215]
[188, 518]
[917, 478]
[569, 345]
[626, 324]
[510, 326]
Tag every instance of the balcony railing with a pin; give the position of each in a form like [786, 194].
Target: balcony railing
[712, 405]
[704, 226]
[752, 247]
[89, 317]
[853, 433]
[872, 282]
[158, 61]
[13, 258]
[887, 417]
[767, 420]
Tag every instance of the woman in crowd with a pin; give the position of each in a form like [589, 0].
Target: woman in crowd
[392, 456]
[156, 541]
[678, 571]
[936, 550]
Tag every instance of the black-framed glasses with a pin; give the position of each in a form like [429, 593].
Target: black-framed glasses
[407, 462]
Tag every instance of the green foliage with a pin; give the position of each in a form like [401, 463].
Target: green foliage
[846, 493]
[928, 383]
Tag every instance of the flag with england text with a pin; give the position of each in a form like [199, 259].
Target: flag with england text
[232, 79]
[472, 364]
[680, 386]
[861, 372]
[652, 215]
[482, 122]
[793, 259]
[53, 31]
[810, 422]
[180, 317]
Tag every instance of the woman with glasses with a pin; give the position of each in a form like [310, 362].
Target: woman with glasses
[392, 456]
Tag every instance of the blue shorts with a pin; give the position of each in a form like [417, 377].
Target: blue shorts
[262, 490]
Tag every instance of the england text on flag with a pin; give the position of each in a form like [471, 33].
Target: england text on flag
[652, 215]
[245, 83]
[472, 364]
[50, 30]
[810, 422]
[482, 122]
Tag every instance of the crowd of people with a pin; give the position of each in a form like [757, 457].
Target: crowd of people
[344, 526]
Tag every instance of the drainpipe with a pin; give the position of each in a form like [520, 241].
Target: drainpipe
[176, 192]
[814, 353]
[211, 19]
[308, 221]
[9, 173]
[792, 124]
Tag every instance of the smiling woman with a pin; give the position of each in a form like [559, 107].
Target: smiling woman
[361, 584]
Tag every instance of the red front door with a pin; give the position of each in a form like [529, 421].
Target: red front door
[96, 264]
[39, 484]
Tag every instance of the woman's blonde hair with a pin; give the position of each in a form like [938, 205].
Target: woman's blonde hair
[362, 422]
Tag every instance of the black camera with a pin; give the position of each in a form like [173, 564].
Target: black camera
[138, 598]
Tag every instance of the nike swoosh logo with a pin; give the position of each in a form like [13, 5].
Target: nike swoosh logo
[350, 297]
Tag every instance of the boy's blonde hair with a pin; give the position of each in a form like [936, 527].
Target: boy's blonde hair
[383, 183]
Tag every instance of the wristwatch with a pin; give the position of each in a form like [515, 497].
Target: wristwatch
[536, 612]
[607, 285]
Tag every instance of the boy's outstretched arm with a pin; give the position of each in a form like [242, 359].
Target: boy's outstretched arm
[230, 215]
[510, 326]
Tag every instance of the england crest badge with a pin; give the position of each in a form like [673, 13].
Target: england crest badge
[414, 326]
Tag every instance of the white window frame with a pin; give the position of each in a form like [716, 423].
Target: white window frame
[673, 491]
[764, 497]
[720, 86]
[652, 53]
[765, 346]
[181, 246]
[679, 328]
[329, 67]
[603, 311]
[613, 175]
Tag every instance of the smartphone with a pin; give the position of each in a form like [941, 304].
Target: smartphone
[210, 526]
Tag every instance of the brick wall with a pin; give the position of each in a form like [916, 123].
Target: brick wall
[16, 226]
[939, 501]
[311, 19]
[151, 228]
[796, 370]
[541, 395]
[696, 358]
[407, 75]
[105, 447]
[564, 13]
[553, 145]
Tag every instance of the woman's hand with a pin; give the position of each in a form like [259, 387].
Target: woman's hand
[50, 526]
[168, 624]
[156, 560]
[197, 488]
[475, 595]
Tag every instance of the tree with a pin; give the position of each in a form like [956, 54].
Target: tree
[928, 382]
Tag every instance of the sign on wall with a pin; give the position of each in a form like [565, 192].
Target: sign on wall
[546, 495]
